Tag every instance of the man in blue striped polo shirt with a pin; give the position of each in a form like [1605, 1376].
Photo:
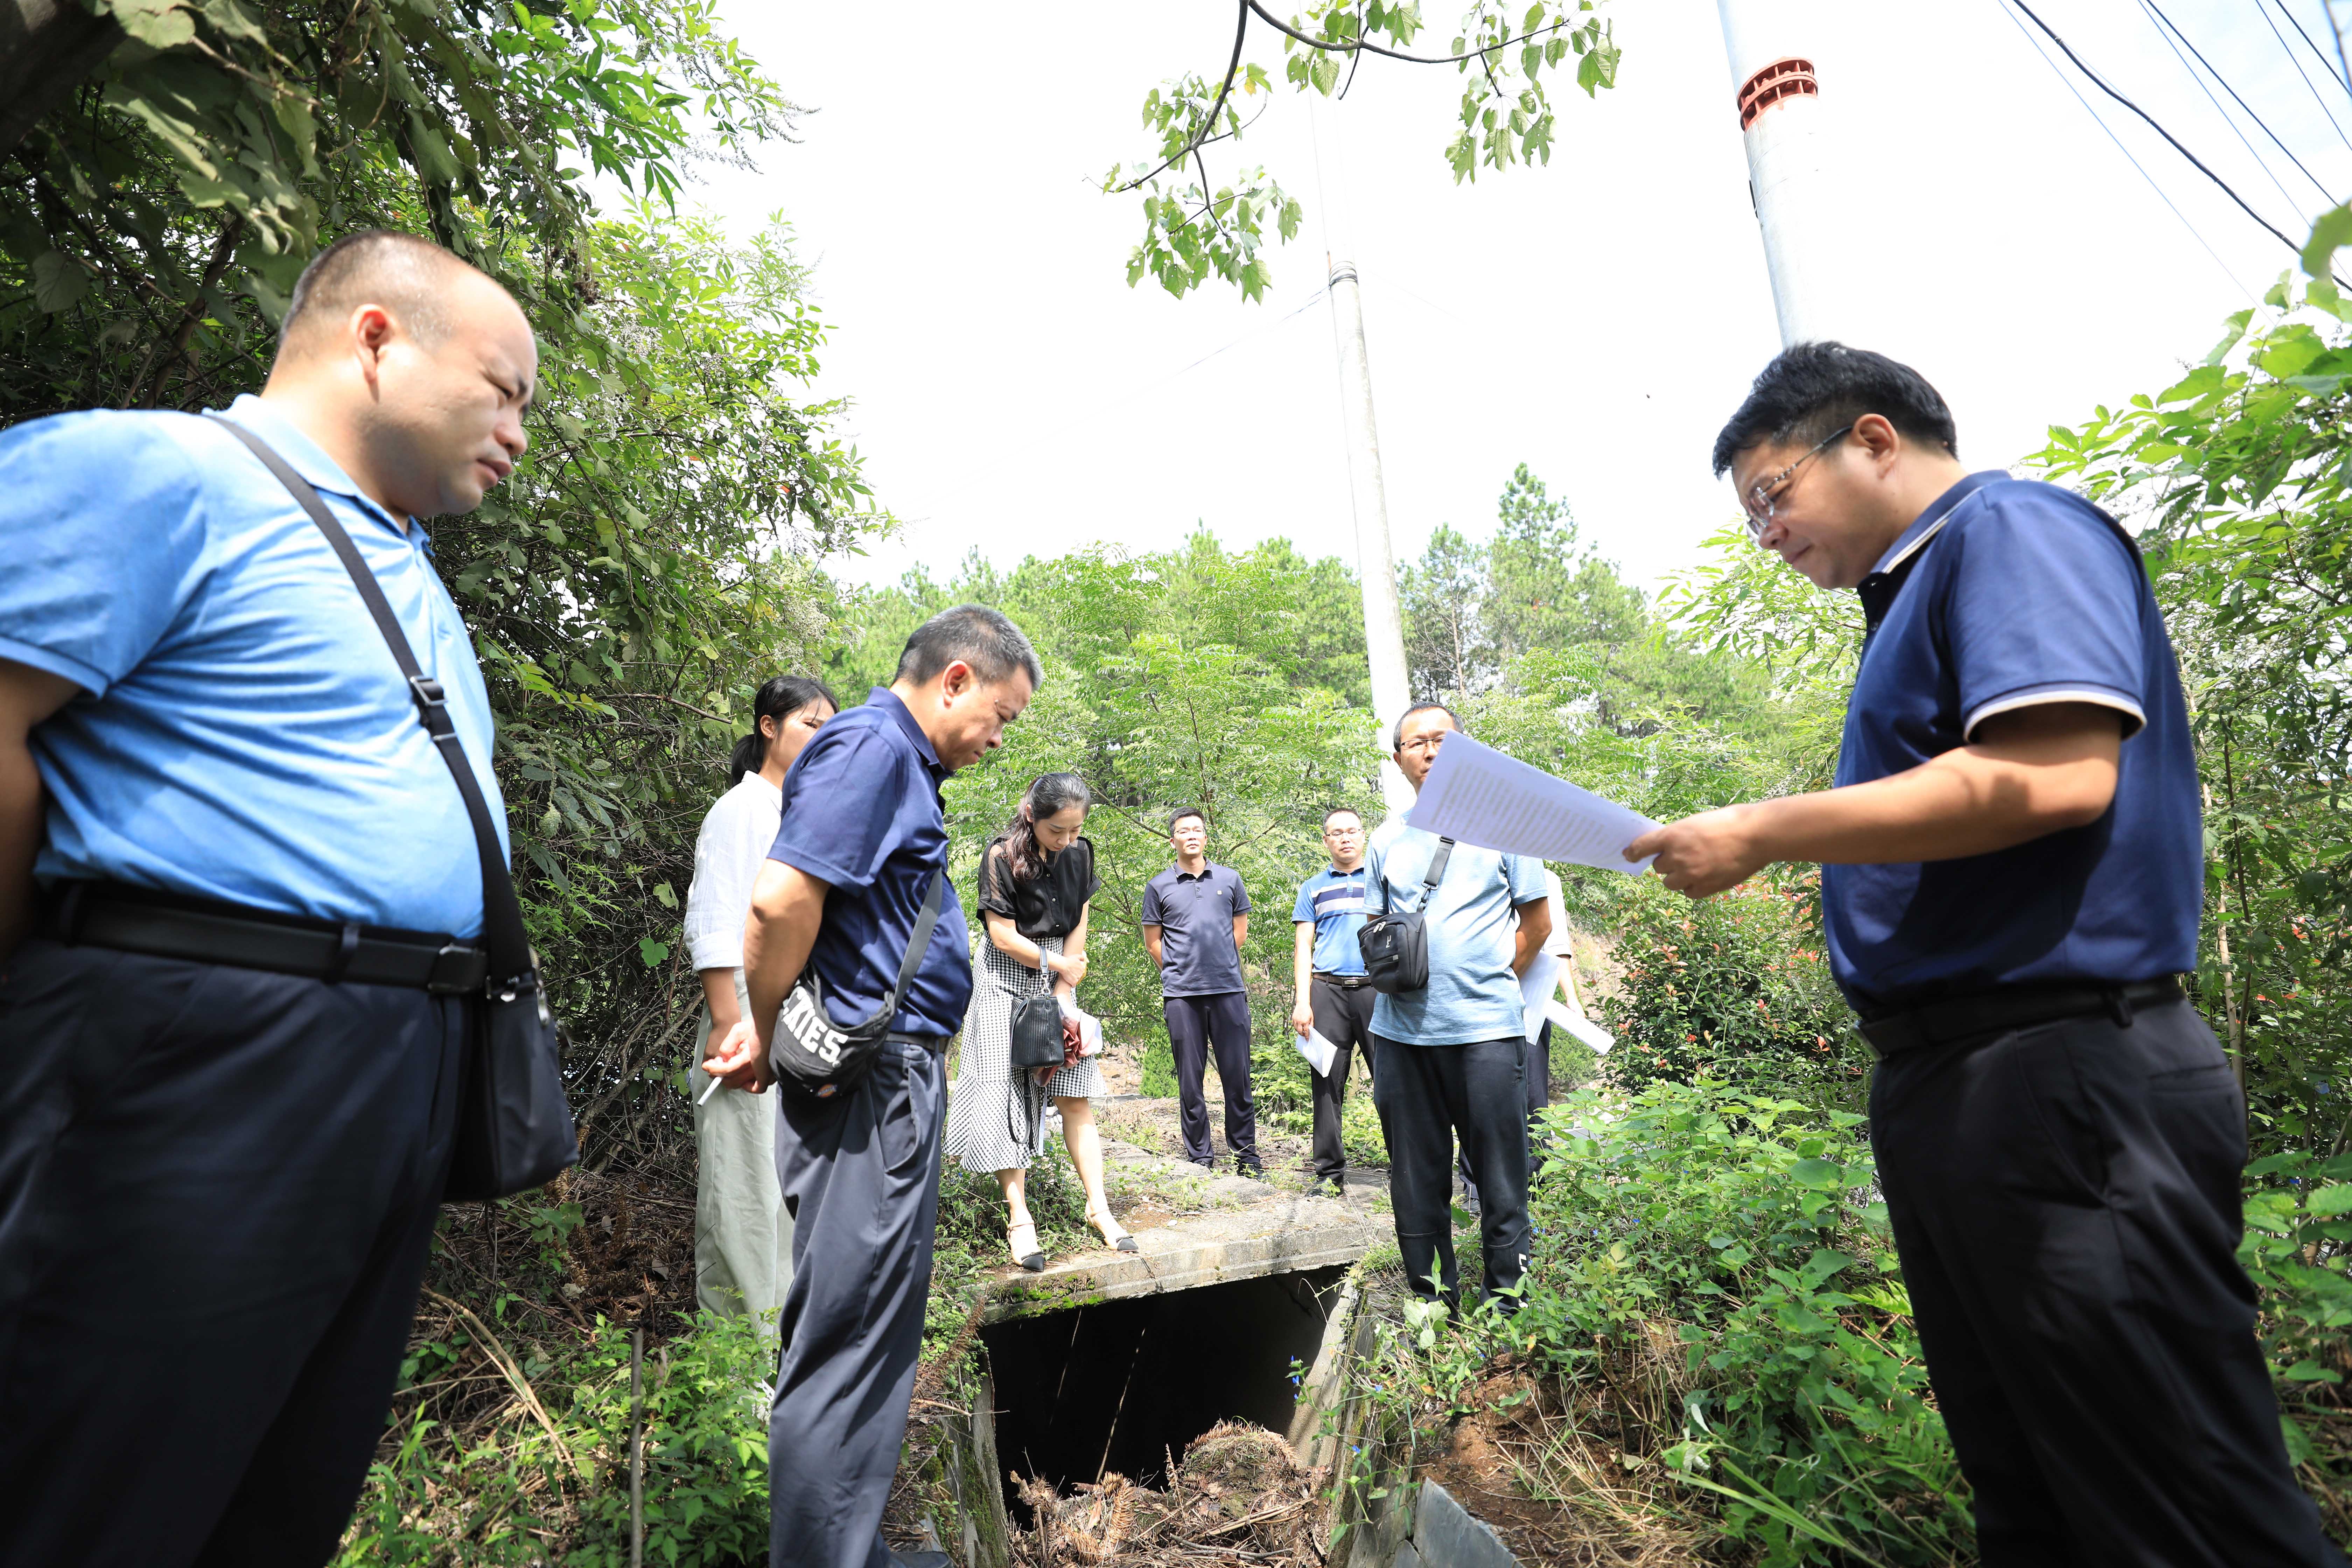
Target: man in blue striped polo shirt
[1335, 999]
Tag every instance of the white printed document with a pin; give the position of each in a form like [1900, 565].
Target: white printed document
[1320, 1052]
[1536, 984]
[1582, 1027]
[1475, 795]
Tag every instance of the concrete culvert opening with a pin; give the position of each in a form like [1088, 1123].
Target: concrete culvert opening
[1117, 1386]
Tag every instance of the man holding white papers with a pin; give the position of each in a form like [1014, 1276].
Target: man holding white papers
[1334, 1000]
[1451, 1056]
[2012, 879]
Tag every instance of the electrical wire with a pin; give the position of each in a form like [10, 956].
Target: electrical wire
[2068, 82]
[2316, 50]
[2297, 64]
[2158, 11]
[2100, 82]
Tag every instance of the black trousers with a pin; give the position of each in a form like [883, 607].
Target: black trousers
[860, 1173]
[217, 1186]
[1539, 1087]
[2065, 1200]
[1195, 1026]
[1425, 1094]
[1343, 1015]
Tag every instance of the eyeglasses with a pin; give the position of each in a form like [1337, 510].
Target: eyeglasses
[1761, 500]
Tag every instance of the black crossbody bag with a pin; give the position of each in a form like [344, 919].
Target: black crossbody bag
[1396, 946]
[818, 1057]
[514, 1125]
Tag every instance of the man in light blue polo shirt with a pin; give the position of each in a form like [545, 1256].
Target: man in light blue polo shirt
[2012, 875]
[1333, 998]
[1450, 1057]
[237, 888]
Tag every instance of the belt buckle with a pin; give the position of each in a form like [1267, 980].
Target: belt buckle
[447, 976]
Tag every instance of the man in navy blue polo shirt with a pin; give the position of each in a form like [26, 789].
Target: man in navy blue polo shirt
[1333, 998]
[2012, 875]
[229, 859]
[863, 834]
[1195, 919]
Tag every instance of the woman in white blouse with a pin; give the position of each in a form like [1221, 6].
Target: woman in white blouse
[743, 1235]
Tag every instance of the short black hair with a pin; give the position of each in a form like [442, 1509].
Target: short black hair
[1811, 390]
[982, 637]
[1336, 810]
[1181, 813]
[1396, 735]
[404, 271]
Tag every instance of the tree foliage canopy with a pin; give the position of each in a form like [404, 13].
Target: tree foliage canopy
[1191, 233]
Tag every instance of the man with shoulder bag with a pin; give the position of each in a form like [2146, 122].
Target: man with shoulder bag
[266, 994]
[858, 966]
[1451, 929]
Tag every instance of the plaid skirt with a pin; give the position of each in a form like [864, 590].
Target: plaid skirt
[996, 1117]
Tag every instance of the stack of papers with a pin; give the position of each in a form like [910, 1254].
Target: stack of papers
[1475, 795]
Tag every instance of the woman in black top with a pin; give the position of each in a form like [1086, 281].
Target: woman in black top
[1036, 879]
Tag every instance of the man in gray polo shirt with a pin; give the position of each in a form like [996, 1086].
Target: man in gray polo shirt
[1195, 919]
[1451, 1056]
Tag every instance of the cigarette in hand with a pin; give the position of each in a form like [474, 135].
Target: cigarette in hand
[716, 1085]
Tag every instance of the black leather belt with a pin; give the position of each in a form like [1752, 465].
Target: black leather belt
[932, 1043]
[1950, 1018]
[1344, 982]
[206, 930]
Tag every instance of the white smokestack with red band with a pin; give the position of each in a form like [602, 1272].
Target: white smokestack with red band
[1777, 98]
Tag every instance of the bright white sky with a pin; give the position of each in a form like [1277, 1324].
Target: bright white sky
[1597, 318]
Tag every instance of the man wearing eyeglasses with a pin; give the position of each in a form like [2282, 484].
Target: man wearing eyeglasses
[2011, 876]
[1333, 998]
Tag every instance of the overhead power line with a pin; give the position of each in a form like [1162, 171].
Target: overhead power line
[2175, 28]
[2293, 59]
[2100, 82]
[2317, 51]
[2068, 83]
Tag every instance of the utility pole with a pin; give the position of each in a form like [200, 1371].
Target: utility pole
[1808, 248]
[1375, 564]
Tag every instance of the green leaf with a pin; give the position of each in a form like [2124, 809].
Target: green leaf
[58, 281]
[2331, 233]
[2330, 1201]
[653, 952]
[1817, 1173]
[158, 23]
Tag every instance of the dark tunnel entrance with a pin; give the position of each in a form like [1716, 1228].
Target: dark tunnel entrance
[1120, 1385]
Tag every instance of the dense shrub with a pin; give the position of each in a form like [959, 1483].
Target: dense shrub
[527, 1490]
[1714, 1294]
[1733, 988]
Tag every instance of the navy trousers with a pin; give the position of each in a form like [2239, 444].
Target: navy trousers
[2065, 1203]
[1425, 1094]
[1196, 1025]
[861, 1175]
[217, 1187]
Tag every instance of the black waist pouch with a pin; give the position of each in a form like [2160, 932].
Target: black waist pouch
[1396, 944]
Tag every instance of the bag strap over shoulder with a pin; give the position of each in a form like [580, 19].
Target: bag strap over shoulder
[916, 946]
[502, 927]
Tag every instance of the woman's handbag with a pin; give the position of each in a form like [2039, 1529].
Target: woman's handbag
[1036, 1032]
[514, 1125]
[819, 1058]
[1396, 946]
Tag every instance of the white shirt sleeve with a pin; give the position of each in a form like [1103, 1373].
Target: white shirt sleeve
[728, 854]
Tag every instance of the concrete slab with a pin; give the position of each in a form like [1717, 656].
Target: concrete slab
[1259, 1230]
[1447, 1536]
